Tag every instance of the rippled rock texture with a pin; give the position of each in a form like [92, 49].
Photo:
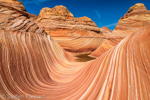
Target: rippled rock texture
[108, 44]
[13, 16]
[33, 65]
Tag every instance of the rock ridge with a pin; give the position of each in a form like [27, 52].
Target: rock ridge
[14, 17]
[59, 17]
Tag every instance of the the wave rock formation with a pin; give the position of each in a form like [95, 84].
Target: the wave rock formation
[33, 64]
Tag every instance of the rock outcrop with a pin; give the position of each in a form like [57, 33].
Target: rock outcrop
[59, 21]
[34, 66]
[14, 17]
[33, 16]
[73, 34]
[106, 31]
[135, 18]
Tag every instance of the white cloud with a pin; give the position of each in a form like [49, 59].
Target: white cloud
[113, 24]
[97, 13]
[37, 2]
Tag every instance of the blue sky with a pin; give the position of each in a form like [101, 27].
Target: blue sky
[102, 12]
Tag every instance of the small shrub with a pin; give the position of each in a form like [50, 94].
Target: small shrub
[130, 10]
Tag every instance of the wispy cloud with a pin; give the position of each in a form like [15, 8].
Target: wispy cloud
[97, 13]
[113, 24]
[37, 2]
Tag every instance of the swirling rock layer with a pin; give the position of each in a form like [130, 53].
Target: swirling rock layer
[119, 74]
[14, 17]
[108, 44]
[33, 65]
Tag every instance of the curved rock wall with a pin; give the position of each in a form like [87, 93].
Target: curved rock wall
[34, 66]
[31, 66]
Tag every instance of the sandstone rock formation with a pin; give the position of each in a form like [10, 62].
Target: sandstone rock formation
[61, 19]
[108, 44]
[34, 66]
[120, 74]
[135, 18]
[14, 17]
[73, 34]
[33, 16]
[106, 31]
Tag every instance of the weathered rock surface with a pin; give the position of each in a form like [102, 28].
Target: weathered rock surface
[47, 73]
[106, 31]
[73, 34]
[13, 16]
[33, 16]
[135, 18]
[60, 18]
[33, 65]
